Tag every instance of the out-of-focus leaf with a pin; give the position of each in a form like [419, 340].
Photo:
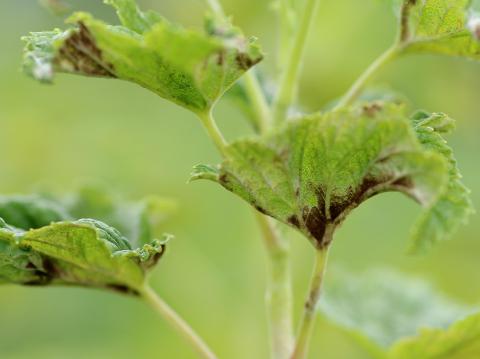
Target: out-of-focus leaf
[386, 306]
[460, 341]
[438, 26]
[57, 7]
[41, 243]
[192, 69]
[314, 171]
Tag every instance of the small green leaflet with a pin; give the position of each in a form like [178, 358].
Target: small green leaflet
[42, 243]
[314, 171]
[460, 341]
[385, 306]
[439, 26]
[192, 69]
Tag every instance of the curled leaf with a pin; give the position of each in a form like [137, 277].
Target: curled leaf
[191, 68]
[42, 244]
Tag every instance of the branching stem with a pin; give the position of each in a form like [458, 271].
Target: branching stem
[177, 323]
[313, 297]
[288, 84]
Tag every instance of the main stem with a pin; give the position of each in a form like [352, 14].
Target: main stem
[358, 86]
[309, 314]
[279, 290]
[177, 323]
[288, 84]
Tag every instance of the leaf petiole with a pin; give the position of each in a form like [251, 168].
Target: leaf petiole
[213, 131]
[313, 297]
[178, 323]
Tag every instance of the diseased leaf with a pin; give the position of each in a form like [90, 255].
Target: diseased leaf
[454, 205]
[314, 171]
[440, 27]
[190, 68]
[42, 244]
[460, 341]
[386, 306]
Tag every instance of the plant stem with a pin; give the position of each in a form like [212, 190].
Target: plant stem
[361, 82]
[279, 292]
[288, 83]
[308, 320]
[214, 132]
[258, 100]
[286, 15]
[177, 323]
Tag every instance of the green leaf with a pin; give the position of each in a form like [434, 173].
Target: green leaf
[460, 341]
[454, 206]
[385, 306]
[439, 27]
[190, 68]
[42, 244]
[314, 171]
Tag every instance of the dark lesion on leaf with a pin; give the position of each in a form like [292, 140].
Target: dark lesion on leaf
[123, 289]
[372, 109]
[405, 18]
[245, 62]
[318, 223]
[80, 54]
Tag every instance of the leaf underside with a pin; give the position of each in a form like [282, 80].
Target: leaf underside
[385, 306]
[192, 69]
[314, 171]
[460, 341]
[41, 242]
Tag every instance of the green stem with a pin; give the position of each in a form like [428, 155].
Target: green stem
[309, 314]
[177, 323]
[286, 31]
[213, 132]
[362, 81]
[279, 291]
[288, 83]
[258, 100]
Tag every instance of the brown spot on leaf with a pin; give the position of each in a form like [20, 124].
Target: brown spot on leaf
[316, 222]
[245, 62]
[372, 109]
[294, 221]
[123, 289]
[404, 182]
[80, 54]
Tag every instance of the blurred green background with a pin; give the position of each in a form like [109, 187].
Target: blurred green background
[138, 144]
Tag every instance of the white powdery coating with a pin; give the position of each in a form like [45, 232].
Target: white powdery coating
[43, 71]
[473, 25]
